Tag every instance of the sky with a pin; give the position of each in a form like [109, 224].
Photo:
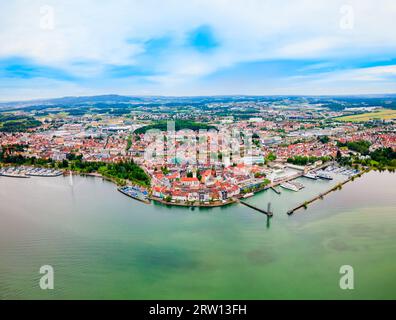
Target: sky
[206, 47]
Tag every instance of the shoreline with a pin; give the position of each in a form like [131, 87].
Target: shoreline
[197, 204]
[194, 205]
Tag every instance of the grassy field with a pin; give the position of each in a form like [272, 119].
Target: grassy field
[17, 123]
[382, 114]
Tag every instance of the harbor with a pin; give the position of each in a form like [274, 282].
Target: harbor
[321, 195]
[304, 189]
[27, 172]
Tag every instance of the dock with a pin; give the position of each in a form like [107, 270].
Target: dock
[268, 212]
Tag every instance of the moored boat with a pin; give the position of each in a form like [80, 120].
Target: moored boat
[310, 175]
[248, 195]
[289, 186]
[324, 175]
[13, 173]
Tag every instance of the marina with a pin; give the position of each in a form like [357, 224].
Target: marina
[135, 192]
[27, 172]
[38, 172]
[13, 173]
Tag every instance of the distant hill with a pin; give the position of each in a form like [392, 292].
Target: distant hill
[110, 98]
[332, 102]
[86, 99]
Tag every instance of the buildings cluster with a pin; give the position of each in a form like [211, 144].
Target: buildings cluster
[213, 166]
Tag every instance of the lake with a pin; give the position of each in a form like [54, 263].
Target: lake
[104, 245]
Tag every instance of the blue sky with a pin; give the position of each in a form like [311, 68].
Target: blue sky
[207, 47]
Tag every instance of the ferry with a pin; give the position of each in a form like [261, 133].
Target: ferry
[310, 175]
[290, 186]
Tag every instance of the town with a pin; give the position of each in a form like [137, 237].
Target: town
[195, 156]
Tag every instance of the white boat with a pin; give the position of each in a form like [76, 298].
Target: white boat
[310, 175]
[13, 172]
[248, 195]
[40, 172]
[289, 186]
[324, 175]
[297, 184]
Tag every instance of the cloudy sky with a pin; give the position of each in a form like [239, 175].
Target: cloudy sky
[206, 47]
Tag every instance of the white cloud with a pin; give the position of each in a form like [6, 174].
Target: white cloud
[310, 48]
[96, 32]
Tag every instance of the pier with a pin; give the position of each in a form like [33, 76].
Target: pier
[321, 195]
[275, 190]
[268, 212]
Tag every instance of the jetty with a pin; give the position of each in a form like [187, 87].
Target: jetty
[321, 195]
[275, 190]
[268, 212]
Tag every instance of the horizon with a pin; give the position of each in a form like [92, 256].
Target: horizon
[365, 95]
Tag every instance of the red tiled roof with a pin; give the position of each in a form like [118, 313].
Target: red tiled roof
[187, 179]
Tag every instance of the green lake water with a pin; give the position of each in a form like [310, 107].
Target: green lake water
[104, 245]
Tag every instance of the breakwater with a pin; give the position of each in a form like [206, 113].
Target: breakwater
[321, 195]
